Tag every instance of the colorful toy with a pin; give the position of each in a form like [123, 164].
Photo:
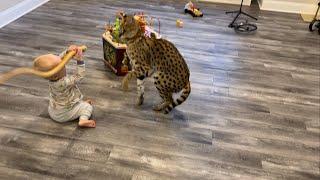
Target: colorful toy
[192, 10]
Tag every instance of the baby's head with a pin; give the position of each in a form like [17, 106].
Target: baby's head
[48, 62]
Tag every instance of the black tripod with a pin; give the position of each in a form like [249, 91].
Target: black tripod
[315, 23]
[238, 14]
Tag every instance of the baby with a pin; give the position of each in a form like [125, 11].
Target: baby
[66, 100]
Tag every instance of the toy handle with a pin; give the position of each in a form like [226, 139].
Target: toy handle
[6, 76]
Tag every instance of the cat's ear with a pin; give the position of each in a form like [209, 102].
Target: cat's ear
[121, 15]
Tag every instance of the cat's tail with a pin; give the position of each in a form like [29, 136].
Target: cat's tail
[184, 95]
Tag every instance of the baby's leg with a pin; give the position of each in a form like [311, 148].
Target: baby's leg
[85, 112]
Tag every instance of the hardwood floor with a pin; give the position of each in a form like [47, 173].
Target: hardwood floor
[253, 112]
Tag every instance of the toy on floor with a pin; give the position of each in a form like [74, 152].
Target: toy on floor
[65, 100]
[315, 23]
[179, 23]
[191, 9]
[157, 58]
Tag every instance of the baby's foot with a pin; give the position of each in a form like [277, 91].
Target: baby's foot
[87, 123]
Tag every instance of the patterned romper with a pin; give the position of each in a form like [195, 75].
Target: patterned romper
[66, 100]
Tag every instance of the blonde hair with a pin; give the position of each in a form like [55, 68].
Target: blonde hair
[46, 62]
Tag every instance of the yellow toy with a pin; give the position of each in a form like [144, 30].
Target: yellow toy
[179, 23]
[45, 74]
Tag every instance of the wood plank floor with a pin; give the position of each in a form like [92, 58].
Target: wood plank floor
[253, 112]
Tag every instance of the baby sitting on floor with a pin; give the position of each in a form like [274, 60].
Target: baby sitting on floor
[66, 100]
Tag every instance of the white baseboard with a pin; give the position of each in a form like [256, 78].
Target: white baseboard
[9, 15]
[245, 2]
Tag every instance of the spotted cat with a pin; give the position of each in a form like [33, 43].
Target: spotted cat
[159, 58]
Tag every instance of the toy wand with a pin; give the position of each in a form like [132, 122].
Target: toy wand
[6, 76]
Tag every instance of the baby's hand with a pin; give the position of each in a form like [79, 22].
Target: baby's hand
[78, 50]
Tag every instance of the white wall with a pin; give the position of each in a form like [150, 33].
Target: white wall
[290, 6]
[11, 10]
[245, 2]
[5, 4]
